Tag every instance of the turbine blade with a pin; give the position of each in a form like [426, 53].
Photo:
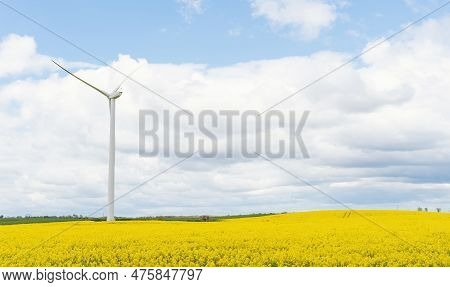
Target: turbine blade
[127, 77]
[73, 75]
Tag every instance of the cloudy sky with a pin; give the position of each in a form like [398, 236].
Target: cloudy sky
[377, 134]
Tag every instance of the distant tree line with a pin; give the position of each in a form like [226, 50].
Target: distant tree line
[45, 216]
[426, 209]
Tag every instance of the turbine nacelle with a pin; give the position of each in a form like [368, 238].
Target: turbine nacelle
[114, 95]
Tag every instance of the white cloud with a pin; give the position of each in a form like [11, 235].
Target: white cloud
[305, 18]
[19, 57]
[377, 135]
[422, 5]
[190, 7]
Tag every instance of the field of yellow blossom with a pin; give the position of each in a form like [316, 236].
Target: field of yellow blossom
[323, 238]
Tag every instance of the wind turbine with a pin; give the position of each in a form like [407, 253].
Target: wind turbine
[111, 97]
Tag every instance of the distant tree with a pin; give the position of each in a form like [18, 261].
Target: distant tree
[419, 209]
[426, 209]
[1, 216]
[438, 209]
[204, 217]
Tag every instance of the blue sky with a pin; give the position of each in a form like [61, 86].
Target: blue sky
[377, 133]
[222, 33]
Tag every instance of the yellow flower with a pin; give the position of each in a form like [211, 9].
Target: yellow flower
[325, 238]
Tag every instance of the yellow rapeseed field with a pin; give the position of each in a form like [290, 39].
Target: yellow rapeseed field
[326, 238]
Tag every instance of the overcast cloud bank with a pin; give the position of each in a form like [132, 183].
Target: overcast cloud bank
[377, 134]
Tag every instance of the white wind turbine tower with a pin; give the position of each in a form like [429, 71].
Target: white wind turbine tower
[115, 94]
